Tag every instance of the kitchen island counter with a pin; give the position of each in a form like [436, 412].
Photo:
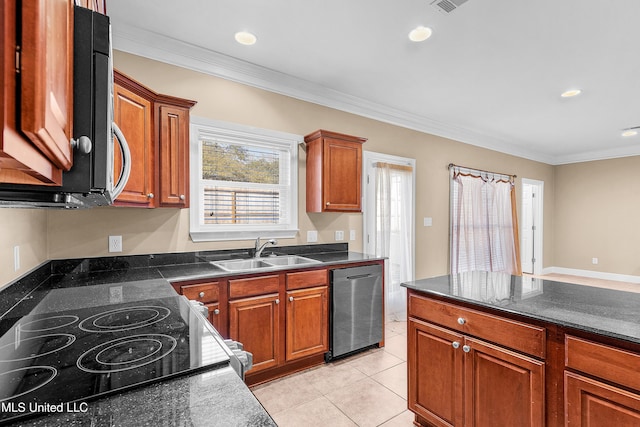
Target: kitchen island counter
[606, 312]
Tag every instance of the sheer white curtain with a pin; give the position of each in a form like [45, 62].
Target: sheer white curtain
[394, 238]
[482, 224]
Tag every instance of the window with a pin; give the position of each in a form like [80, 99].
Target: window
[244, 182]
[483, 222]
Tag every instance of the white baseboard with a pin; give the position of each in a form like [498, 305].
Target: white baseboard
[593, 274]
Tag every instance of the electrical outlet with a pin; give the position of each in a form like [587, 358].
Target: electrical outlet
[115, 243]
[352, 234]
[115, 294]
[594, 261]
[339, 235]
[312, 236]
[16, 258]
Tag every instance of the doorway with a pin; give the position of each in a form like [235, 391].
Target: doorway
[389, 223]
[531, 226]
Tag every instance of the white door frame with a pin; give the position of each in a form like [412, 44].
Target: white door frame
[369, 194]
[538, 214]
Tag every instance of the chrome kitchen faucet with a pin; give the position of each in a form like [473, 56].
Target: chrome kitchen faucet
[258, 248]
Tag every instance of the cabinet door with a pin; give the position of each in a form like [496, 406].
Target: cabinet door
[214, 315]
[21, 161]
[133, 114]
[255, 322]
[342, 170]
[590, 403]
[47, 78]
[502, 387]
[307, 322]
[435, 364]
[174, 156]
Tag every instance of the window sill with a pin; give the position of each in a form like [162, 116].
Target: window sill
[216, 236]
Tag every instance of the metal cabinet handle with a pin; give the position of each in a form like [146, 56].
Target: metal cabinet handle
[277, 301]
[455, 344]
[201, 294]
[216, 311]
[291, 299]
[466, 348]
[182, 197]
[461, 321]
[150, 195]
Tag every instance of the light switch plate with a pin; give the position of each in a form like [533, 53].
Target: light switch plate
[428, 222]
[312, 236]
[16, 258]
[352, 234]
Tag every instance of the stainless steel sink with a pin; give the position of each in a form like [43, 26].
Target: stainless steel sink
[241, 264]
[289, 260]
[262, 263]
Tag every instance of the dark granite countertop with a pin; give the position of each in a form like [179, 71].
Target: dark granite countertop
[602, 311]
[216, 397]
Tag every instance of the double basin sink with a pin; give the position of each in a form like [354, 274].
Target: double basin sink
[263, 263]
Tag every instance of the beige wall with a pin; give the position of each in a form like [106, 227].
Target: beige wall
[26, 228]
[597, 215]
[76, 234]
[85, 233]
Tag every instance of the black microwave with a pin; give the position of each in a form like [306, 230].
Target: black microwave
[90, 181]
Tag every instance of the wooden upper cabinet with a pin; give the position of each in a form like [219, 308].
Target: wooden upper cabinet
[133, 113]
[37, 85]
[157, 130]
[334, 172]
[173, 136]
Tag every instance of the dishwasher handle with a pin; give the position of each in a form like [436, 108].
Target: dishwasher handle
[359, 276]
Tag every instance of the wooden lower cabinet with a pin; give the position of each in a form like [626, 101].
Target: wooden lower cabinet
[214, 315]
[307, 322]
[456, 380]
[590, 403]
[255, 322]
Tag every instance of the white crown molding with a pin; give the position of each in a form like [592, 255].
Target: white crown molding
[175, 52]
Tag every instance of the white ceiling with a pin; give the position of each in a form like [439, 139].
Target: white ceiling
[491, 75]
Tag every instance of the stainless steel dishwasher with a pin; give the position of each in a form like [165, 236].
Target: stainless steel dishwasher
[356, 309]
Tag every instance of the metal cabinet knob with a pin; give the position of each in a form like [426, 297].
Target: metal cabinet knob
[201, 294]
[277, 301]
[466, 348]
[182, 197]
[216, 311]
[328, 203]
[455, 344]
[150, 195]
[461, 321]
[82, 144]
[290, 298]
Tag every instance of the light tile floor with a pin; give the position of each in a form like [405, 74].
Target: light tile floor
[368, 389]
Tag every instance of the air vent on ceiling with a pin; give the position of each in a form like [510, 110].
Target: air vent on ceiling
[447, 6]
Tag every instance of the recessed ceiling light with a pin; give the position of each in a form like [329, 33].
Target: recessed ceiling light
[571, 93]
[629, 132]
[420, 34]
[246, 38]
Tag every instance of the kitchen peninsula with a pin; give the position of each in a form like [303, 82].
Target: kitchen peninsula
[169, 371]
[491, 349]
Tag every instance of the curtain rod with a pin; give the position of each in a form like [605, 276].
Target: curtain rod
[451, 165]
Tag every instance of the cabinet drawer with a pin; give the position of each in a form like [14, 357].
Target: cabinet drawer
[608, 363]
[306, 279]
[206, 292]
[519, 336]
[239, 288]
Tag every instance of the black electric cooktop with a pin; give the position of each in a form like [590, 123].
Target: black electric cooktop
[63, 359]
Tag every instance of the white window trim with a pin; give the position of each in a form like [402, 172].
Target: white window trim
[203, 233]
